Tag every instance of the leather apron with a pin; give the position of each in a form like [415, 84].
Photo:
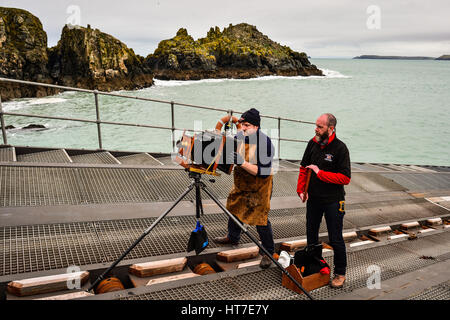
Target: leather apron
[249, 199]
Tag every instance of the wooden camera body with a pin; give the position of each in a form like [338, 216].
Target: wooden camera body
[205, 152]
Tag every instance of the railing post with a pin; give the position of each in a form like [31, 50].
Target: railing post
[229, 124]
[97, 111]
[279, 137]
[2, 120]
[172, 110]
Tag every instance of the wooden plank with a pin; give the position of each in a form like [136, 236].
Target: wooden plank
[68, 296]
[248, 264]
[238, 254]
[148, 269]
[425, 230]
[293, 245]
[397, 236]
[172, 278]
[349, 236]
[409, 225]
[434, 222]
[380, 230]
[46, 284]
[361, 243]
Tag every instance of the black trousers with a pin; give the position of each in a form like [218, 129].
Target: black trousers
[334, 219]
[265, 234]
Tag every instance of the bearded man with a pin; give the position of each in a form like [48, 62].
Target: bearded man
[329, 159]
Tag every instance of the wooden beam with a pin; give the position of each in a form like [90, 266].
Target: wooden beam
[380, 230]
[148, 269]
[172, 278]
[32, 286]
[293, 245]
[238, 254]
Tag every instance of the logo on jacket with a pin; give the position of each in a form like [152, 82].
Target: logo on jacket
[328, 157]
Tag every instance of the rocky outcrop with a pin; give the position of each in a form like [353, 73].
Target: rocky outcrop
[444, 57]
[84, 58]
[89, 58]
[23, 54]
[239, 51]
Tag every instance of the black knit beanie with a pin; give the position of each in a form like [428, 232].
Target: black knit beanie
[251, 116]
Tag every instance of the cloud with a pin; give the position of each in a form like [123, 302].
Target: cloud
[320, 28]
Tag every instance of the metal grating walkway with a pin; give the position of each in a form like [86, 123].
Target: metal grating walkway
[7, 154]
[95, 158]
[421, 181]
[438, 292]
[139, 159]
[393, 260]
[52, 156]
[34, 185]
[46, 247]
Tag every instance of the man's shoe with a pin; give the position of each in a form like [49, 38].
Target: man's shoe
[224, 240]
[265, 262]
[338, 281]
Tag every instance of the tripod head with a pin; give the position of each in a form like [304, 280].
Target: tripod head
[195, 174]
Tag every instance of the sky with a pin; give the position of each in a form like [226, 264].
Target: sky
[321, 28]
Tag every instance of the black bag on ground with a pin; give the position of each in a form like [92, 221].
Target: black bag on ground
[198, 240]
[311, 259]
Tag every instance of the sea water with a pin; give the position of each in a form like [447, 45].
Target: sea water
[388, 111]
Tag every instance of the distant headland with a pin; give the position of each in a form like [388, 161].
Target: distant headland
[89, 58]
[443, 57]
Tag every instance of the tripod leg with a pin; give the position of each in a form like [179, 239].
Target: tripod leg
[198, 201]
[256, 242]
[143, 235]
[201, 205]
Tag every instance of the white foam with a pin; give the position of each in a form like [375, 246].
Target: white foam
[14, 105]
[20, 104]
[176, 83]
[47, 101]
[333, 74]
[328, 74]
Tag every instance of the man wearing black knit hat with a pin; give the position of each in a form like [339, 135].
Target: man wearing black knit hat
[249, 200]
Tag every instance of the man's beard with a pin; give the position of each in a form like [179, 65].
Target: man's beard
[323, 137]
[249, 132]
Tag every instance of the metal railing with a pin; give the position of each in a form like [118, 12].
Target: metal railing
[99, 122]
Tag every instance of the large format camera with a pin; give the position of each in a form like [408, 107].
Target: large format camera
[206, 152]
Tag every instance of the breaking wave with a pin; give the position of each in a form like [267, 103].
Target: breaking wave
[19, 104]
[328, 74]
